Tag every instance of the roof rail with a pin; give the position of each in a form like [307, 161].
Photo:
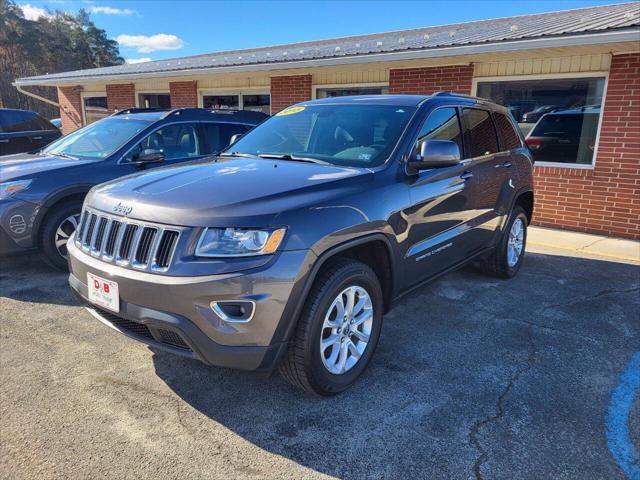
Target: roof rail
[447, 93]
[127, 111]
[224, 111]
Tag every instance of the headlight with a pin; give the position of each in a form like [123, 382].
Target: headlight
[9, 189]
[238, 242]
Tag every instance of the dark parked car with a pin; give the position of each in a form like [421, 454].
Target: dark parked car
[24, 131]
[289, 247]
[566, 136]
[534, 115]
[41, 194]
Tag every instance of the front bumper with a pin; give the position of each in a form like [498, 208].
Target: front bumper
[174, 313]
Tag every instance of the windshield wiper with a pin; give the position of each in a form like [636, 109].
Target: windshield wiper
[236, 154]
[64, 155]
[286, 156]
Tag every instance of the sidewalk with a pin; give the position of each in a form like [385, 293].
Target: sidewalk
[574, 244]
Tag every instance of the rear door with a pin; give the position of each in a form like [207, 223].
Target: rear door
[13, 139]
[43, 132]
[218, 135]
[486, 162]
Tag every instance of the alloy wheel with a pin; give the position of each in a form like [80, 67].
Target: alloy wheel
[346, 330]
[515, 242]
[64, 231]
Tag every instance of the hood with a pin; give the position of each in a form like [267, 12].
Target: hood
[26, 165]
[247, 192]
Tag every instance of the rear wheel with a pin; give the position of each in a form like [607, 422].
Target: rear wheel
[58, 226]
[338, 330]
[505, 261]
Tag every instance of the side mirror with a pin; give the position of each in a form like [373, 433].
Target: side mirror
[235, 138]
[436, 154]
[149, 155]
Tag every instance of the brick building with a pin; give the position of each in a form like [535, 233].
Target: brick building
[580, 67]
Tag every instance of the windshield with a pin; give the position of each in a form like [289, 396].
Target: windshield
[349, 135]
[98, 140]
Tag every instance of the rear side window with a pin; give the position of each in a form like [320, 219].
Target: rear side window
[510, 137]
[480, 134]
[442, 124]
[219, 134]
[24, 122]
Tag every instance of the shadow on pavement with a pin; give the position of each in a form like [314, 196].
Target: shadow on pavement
[465, 365]
[27, 278]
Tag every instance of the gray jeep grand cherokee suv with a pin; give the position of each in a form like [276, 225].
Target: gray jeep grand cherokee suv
[286, 249]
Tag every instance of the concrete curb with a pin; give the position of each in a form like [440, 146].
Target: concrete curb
[582, 244]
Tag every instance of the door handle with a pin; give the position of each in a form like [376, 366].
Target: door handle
[505, 164]
[4, 140]
[37, 138]
[466, 175]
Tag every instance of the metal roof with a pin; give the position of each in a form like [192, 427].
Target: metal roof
[568, 23]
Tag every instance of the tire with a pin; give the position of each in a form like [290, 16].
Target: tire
[498, 264]
[307, 367]
[55, 219]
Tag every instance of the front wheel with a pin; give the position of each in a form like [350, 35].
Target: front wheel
[338, 330]
[505, 261]
[56, 230]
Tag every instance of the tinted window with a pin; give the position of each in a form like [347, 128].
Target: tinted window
[442, 124]
[175, 141]
[24, 122]
[510, 138]
[219, 134]
[342, 134]
[480, 134]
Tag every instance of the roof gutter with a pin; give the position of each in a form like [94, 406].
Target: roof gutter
[36, 96]
[628, 35]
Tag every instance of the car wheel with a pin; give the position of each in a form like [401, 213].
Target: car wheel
[56, 230]
[338, 330]
[505, 261]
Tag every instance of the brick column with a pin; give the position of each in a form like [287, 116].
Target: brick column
[183, 94]
[120, 97]
[70, 108]
[286, 91]
[426, 80]
[605, 200]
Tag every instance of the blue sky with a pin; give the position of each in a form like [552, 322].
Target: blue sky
[157, 30]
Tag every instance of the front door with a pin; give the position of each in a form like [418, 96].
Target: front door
[441, 207]
[179, 142]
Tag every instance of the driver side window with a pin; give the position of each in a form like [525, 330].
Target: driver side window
[442, 124]
[177, 141]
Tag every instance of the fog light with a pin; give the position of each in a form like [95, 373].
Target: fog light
[234, 311]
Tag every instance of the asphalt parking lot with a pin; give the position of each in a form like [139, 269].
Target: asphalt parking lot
[474, 378]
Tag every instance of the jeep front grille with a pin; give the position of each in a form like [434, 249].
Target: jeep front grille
[127, 243]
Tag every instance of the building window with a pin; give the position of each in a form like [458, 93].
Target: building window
[559, 117]
[154, 100]
[95, 108]
[350, 91]
[257, 102]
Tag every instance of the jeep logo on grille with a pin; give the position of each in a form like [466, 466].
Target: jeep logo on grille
[122, 209]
